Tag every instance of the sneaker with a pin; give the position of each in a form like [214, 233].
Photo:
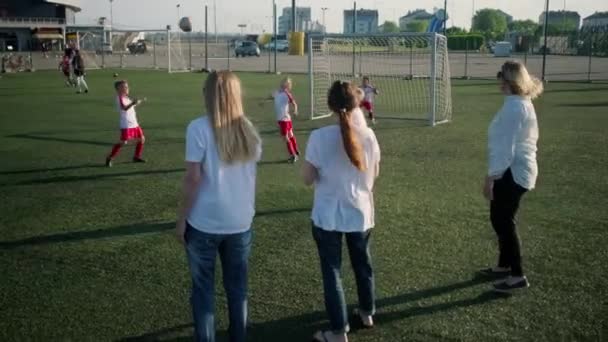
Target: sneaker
[292, 159]
[511, 284]
[86, 91]
[374, 122]
[495, 272]
[109, 162]
[138, 160]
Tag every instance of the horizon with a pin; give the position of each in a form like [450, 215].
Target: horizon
[257, 14]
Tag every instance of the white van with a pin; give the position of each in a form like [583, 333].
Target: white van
[503, 49]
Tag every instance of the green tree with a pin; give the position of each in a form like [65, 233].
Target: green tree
[454, 30]
[417, 26]
[492, 23]
[390, 27]
[524, 27]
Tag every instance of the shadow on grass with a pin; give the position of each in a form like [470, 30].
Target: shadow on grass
[301, 327]
[571, 90]
[585, 105]
[127, 230]
[66, 179]
[51, 169]
[57, 139]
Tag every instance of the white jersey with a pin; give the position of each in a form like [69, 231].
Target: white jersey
[368, 92]
[282, 100]
[128, 118]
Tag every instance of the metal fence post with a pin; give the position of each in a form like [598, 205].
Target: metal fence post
[154, 51]
[206, 39]
[121, 60]
[466, 58]
[590, 57]
[228, 50]
[412, 59]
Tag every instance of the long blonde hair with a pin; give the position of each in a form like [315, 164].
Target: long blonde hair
[236, 138]
[520, 82]
[342, 100]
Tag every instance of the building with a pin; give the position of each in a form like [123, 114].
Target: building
[596, 20]
[33, 24]
[367, 21]
[415, 15]
[561, 19]
[303, 18]
[313, 27]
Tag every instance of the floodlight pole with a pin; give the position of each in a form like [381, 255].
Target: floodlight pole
[274, 25]
[206, 39]
[293, 15]
[324, 27]
[445, 16]
[545, 44]
[111, 19]
[215, 19]
[354, 40]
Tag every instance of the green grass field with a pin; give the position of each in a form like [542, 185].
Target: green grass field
[87, 253]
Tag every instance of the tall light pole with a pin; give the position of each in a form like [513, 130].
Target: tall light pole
[324, 27]
[178, 6]
[545, 42]
[111, 18]
[293, 16]
[215, 19]
[445, 16]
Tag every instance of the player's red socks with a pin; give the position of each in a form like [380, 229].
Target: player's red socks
[290, 148]
[139, 148]
[115, 149]
[294, 145]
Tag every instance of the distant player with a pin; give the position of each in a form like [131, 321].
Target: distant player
[283, 101]
[129, 127]
[369, 91]
[79, 72]
[66, 67]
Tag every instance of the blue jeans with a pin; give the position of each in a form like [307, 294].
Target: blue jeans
[329, 245]
[234, 250]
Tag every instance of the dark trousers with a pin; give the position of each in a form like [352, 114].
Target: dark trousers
[329, 244]
[503, 210]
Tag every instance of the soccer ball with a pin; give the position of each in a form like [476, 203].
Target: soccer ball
[115, 75]
[185, 24]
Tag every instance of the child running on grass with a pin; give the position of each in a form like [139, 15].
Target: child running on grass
[369, 92]
[129, 127]
[283, 100]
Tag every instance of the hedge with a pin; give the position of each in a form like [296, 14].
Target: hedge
[459, 41]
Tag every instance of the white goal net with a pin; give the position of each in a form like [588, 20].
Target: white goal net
[410, 70]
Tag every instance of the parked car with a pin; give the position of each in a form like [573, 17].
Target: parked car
[247, 49]
[106, 49]
[138, 47]
[281, 45]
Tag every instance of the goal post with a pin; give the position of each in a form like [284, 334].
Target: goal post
[410, 71]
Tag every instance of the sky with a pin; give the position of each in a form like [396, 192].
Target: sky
[257, 14]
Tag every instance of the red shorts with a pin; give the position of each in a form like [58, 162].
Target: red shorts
[66, 73]
[285, 126]
[368, 106]
[131, 133]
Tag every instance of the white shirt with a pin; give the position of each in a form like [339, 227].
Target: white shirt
[128, 118]
[512, 138]
[282, 100]
[226, 196]
[368, 92]
[343, 199]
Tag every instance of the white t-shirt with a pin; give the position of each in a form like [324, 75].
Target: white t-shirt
[358, 118]
[226, 196]
[344, 200]
[368, 92]
[512, 138]
[128, 118]
[282, 100]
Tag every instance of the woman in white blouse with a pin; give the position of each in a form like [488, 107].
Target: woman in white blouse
[512, 169]
[342, 161]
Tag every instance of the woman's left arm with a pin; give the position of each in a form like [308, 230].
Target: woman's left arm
[191, 183]
[310, 174]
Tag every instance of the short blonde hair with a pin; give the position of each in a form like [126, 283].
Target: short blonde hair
[284, 82]
[520, 82]
[236, 138]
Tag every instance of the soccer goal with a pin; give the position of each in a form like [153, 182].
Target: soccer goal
[410, 70]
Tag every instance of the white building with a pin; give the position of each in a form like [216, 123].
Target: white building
[302, 17]
[367, 21]
[597, 19]
[411, 16]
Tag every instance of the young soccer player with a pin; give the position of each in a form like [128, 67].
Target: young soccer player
[78, 65]
[283, 100]
[65, 67]
[129, 127]
[369, 91]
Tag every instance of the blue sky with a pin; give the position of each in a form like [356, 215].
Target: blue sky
[257, 13]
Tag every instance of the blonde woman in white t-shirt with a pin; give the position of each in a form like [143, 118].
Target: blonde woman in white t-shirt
[512, 169]
[222, 149]
[342, 162]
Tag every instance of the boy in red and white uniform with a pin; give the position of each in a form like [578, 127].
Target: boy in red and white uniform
[66, 67]
[129, 127]
[283, 100]
[369, 92]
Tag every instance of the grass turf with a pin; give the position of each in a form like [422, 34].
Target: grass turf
[87, 253]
